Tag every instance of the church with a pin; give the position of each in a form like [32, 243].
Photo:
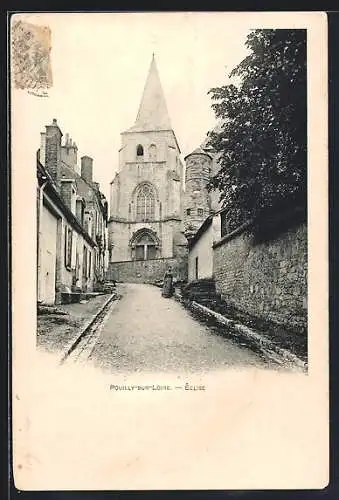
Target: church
[145, 227]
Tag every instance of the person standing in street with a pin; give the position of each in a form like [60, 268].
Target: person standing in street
[167, 287]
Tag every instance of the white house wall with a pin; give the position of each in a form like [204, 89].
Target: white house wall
[203, 250]
[48, 249]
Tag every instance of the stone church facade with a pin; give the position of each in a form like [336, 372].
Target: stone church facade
[145, 227]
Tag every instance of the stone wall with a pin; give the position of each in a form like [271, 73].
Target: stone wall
[196, 200]
[267, 279]
[146, 271]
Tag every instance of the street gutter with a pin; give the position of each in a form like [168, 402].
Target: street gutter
[73, 343]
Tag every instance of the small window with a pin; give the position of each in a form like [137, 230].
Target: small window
[84, 263]
[68, 247]
[188, 211]
[200, 212]
[77, 266]
[140, 150]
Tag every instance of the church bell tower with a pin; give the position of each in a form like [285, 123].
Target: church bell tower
[146, 202]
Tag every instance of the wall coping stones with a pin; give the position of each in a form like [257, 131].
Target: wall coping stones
[145, 261]
[271, 219]
[233, 234]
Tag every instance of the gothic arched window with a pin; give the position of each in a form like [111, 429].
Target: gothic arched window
[145, 203]
[140, 151]
[152, 152]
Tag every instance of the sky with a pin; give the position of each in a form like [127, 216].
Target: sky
[100, 62]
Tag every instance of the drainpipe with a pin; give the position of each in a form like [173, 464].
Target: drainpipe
[41, 199]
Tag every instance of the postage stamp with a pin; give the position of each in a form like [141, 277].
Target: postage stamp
[31, 64]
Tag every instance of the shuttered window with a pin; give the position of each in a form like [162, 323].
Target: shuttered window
[68, 247]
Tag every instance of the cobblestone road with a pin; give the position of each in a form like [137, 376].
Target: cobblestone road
[146, 332]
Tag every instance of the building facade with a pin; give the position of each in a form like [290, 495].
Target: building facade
[72, 220]
[200, 254]
[146, 202]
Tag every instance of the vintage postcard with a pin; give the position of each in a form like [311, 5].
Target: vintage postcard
[169, 220]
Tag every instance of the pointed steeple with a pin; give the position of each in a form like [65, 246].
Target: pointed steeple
[153, 113]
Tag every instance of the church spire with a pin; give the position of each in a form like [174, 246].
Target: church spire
[152, 114]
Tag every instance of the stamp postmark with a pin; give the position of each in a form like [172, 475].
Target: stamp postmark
[31, 64]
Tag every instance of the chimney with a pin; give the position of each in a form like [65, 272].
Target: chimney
[87, 169]
[53, 149]
[42, 155]
[69, 153]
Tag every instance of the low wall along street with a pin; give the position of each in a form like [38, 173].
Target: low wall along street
[266, 279]
[146, 271]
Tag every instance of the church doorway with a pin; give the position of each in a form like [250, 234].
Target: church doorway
[144, 246]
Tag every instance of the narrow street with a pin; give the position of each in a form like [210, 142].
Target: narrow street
[146, 332]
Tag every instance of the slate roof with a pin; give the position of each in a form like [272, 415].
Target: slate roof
[153, 113]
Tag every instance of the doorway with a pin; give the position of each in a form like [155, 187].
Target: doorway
[145, 247]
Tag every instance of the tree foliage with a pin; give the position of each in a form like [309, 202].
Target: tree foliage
[262, 144]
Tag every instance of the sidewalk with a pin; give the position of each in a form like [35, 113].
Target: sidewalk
[56, 331]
